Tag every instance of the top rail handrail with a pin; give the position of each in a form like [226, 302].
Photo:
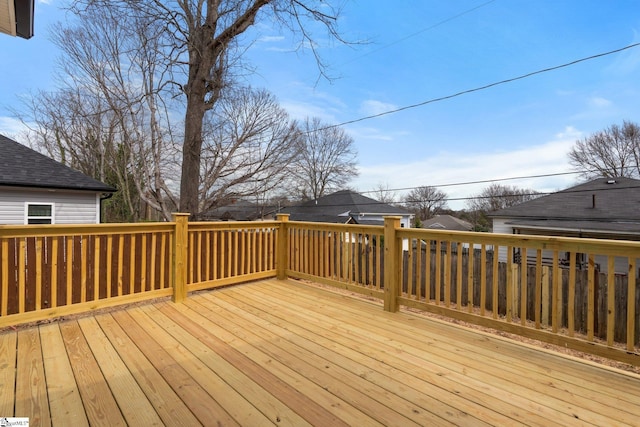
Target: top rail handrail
[55, 230]
[574, 244]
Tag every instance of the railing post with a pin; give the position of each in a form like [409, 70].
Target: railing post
[282, 258]
[391, 263]
[180, 247]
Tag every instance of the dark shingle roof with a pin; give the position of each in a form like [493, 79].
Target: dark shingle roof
[601, 205]
[21, 166]
[341, 207]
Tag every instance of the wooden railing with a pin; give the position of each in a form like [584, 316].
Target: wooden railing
[578, 293]
[51, 271]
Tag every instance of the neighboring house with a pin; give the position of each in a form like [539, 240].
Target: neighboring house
[605, 208]
[35, 189]
[347, 207]
[447, 222]
[16, 18]
[240, 210]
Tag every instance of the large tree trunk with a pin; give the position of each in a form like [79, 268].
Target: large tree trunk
[191, 152]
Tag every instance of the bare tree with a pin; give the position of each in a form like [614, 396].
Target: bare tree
[126, 74]
[384, 194]
[425, 202]
[327, 159]
[200, 45]
[250, 142]
[81, 132]
[493, 198]
[614, 151]
[111, 107]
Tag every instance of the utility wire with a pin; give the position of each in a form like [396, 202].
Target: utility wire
[477, 89]
[484, 181]
[431, 27]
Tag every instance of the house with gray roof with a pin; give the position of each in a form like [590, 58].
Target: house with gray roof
[35, 189]
[447, 222]
[347, 207]
[604, 208]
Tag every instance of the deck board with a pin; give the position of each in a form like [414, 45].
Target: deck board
[65, 402]
[281, 353]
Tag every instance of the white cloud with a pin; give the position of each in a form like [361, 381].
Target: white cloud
[598, 102]
[271, 39]
[372, 107]
[446, 168]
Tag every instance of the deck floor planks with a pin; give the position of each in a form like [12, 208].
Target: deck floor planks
[315, 405]
[31, 395]
[590, 382]
[276, 411]
[199, 401]
[281, 353]
[370, 369]
[99, 403]
[7, 372]
[387, 390]
[447, 392]
[580, 374]
[595, 412]
[166, 402]
[133, 404]
[65, 402]
[346, 386]
[235, 404]
[620, 405]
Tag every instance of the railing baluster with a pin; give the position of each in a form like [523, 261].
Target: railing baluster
[438, 279]
[571, 303]
[556, 288]
[460, 257]
[38, 261]
[591, 298]
[470, 279]
[54, 271]
[496, 282]
[510, 284]
[631, 305]
[611, 300]
[96, 268]
[447, 276]
[524, 280]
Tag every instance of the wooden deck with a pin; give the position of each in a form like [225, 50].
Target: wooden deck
[281, 353]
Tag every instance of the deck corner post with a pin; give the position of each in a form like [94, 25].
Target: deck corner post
[281, 259]
[391, 263]
[180, 247]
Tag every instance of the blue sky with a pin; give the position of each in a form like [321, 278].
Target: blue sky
[419, 50]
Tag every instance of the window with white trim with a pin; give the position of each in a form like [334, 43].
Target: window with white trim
[39, 213]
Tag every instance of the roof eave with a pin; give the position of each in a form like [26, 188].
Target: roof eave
[97, 189]
[24, 18]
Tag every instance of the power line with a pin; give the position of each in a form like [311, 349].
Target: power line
[473, 197]
[477, 89]
[431, 27]
[484, 181]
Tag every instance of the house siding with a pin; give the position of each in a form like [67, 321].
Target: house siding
[69, 207]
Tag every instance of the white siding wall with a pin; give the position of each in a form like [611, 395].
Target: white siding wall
[69, 207]
[499, 226]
